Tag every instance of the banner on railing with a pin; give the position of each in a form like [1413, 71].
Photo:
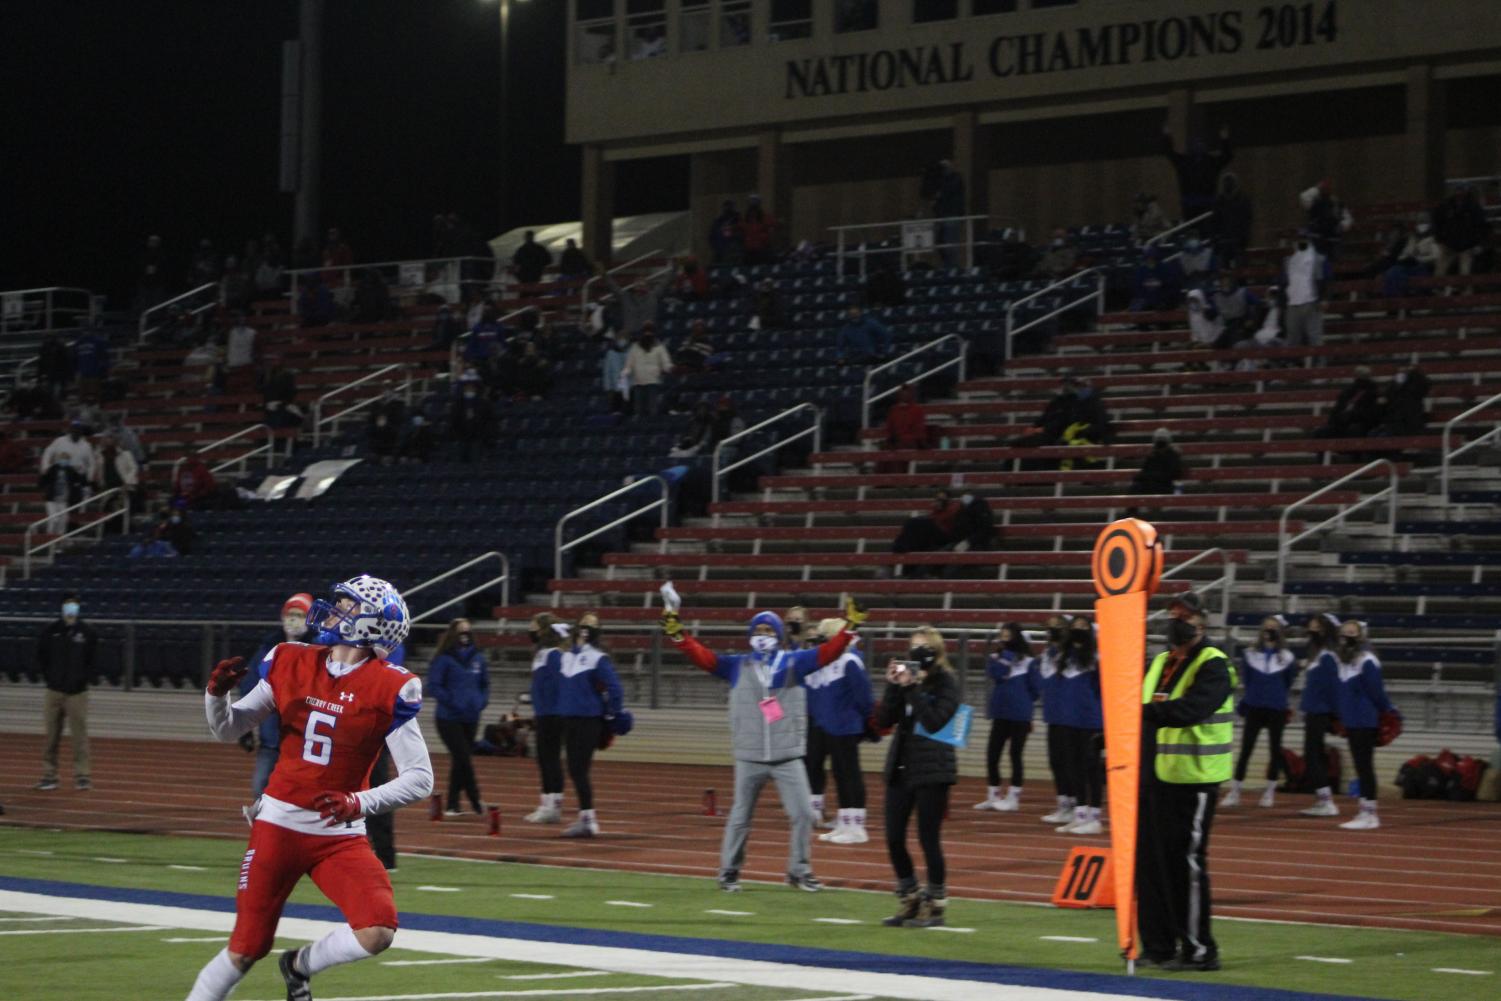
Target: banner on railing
[917, 235]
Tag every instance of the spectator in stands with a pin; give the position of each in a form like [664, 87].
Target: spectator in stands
[691, 283]
[170, 535]
[1236, 306]
[1084, 718]
[612, 369]
[1061, 258]
[446, 329]
[1198, 170]
[71, 448]
[115, 468]
[907, 423]
[1162, 470]
[1156, 283]
[481, 349]
[1267, 669]
[885, 287]
[758, 228]
[235, 286]
[1147, 217]
[204, 269]
[472, 420]
[1357, 410]
[195, 484]
[530, 375]
[315, 303]
[1328, 219]
[638, 306]
[336, 259]
[647, 363]
[65, 652]
[974, 529]
[239, 356]
[530, 260]
[700, 433]
[1232, 221]
[1360, 701]
[31, 402]
[269, 269]
[919, 772]
[1076, 413]
[372, 300]
[1318, 705]
[1015, 685]
[1404, 404]
[55, 365]
[1306, 273]
[1197, 261]
[152, 286]
[770, 310]
[279, 396]
[1205, 327]
[839, 709]
[863, 339]
[727, 235]
[928, 532]
[91, 360]
[695, 353]
[126, 437]
[1461, 227]
[948, 203]
[417, 440]
[459, 679]
[1407, 256]
[383, 433]
[573, 263]
[67, 469]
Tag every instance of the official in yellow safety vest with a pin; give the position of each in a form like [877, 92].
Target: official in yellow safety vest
[1187, 751]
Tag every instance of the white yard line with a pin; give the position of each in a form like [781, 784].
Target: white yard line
[436, 962]
[109, 859]
[84, 931]
[1467, 973]
[440, 889]
[1326, 959]
[557, 976]
[534, 993]
[180, 941]
[627, 903]
[1066, 938]
[839, 921]
[534, 896]
[731, 914]
[49, 918]
[187, 868]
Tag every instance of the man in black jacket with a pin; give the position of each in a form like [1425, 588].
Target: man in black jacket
[65, 653]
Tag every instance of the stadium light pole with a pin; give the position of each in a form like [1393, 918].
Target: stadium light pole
[505, 111]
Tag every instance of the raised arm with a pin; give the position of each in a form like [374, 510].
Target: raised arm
[698, 655]
[229, 721]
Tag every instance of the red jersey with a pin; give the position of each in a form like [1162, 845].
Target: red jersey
[332, 728]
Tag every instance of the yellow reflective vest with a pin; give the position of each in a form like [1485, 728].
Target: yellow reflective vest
[1204, 752]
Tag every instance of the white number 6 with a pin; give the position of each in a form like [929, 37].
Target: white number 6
[318, 747]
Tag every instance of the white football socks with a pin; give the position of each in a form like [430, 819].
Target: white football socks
[334, 949]
[216, 980]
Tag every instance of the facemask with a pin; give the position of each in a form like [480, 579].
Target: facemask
[924, 655]
[1180, 632]
[794, 627]
[967, 499]
[70, 609]
[764, 644]
[587, 634]
[1348, 644]
[1400, 378]
[1055, 635]
[466, 639]
[1081, 640]
[1270, 637]
[1302, 244]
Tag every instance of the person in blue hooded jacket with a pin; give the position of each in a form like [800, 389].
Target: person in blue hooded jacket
[1267, 668]
[267, 740]
[1085, 716]
[588, 692]
[1016, 681]
[1317, 704]
[550, 638]
[839, 707]
[1050, 685]
[1360, 699]
[459, 679]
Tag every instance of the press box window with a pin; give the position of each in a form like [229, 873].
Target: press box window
[594, 32]
[646, 28]
[934, 10]
[695, 22]
[993, 7]
[734, 23]
[790, 19]
[856, 15]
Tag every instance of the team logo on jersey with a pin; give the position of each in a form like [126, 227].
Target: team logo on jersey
[346, 696]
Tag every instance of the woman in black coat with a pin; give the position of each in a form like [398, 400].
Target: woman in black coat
[919, 772]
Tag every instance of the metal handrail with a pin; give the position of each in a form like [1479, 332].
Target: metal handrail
[504, 580]
[27, 548]
[348, 270]
[319, 420]
[1449, 425]
[866, 400]
[47, 294]
[559, 548]
[1285, 544]
[269, 448]
[1098, 294]
[815, 429]
[1201, 217]
[584, 292]
[968, 244]
[146, 331]
[1225, 581]
[454, 351]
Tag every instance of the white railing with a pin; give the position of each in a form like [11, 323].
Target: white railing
[589, 283]
[193, 301]
[1225, 582]
[867, 400]
[662, 503]
[36, 310]
[504, 580]
[404, 386]
[440, 276]
[1097, 294]
[1185, 224]
[269, 448]
[27, 549]
[815, 429]
[1389, 492]
[918, 237]
[1494, 434]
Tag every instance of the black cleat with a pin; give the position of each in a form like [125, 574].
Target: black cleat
[807, 882]
[298, 986]
[1206, 965]
[729, 882]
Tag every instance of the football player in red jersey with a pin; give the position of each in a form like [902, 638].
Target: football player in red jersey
[340, 702]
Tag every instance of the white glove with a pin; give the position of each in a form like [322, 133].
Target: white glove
[671, 600]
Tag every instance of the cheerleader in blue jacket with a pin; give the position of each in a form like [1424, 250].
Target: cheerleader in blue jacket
[839, 706]
[1360, 698]
[549, 638]
[588, 691]
[1268, 668]
[1084, 714]
[1317, 705]
[1050, 683]
[1016, 681]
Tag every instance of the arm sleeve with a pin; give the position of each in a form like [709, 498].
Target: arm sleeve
[1209, 691]
[859, 682]
[436, 675]
[614, 695]
[228, 721]
[484, 682]
[889, 712]
[91, 649]
[934, 712]
[1375, 688]
[1034, 680]
[414, 779]
[408, 702]
[702, 657]
[831, 650]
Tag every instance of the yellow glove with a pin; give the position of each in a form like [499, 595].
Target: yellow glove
[672, 626]
[854, 614]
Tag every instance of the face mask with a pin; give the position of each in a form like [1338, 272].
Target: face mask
[587, 634]
[1270, 637]
[794, 627]
[70, 609]
[925, 656]
[175, 519]
[1302, 244]
[1191, 245]
[466, 639]
[1055, 635]
[764, 644]
[1180, 633]
[1081, 640]
[1400, 378]
[967, 499]
[1348, 644]
[469, 396]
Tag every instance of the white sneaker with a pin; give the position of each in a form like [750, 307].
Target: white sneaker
[1268, 798]
[1362, 821]
[1084, 827]
[1063, 815]
[990, 804]
[584, 827]
[1230, 799]
[827, 825]
[544, 815]
[850, 836]
[1007, 805]
[1323, 809]
[831, 835]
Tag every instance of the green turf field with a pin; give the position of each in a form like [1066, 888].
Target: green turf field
[1382, 964]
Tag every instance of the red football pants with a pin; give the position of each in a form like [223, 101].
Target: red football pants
[343, 866]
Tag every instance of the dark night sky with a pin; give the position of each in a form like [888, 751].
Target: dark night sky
[122, 119]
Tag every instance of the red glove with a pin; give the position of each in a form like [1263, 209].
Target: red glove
[338, 807]
[225, 676]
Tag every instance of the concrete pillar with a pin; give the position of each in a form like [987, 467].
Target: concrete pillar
[597, 197]
[1179, 121]
[971, 145]
[1424, 148]
[774, 180]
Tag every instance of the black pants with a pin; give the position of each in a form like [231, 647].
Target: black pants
[1086, 768]
[931, 802]
[550, 752]
[1258, 719]
[1363, 750]
[1315, 729]
[1172, 874]
[380, 828]
[581, 739]
[921, 534]
[843, 753]
[1003, 732]
[1058, 759]
[459, 739]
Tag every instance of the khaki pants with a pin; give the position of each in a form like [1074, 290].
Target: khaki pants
[76, 709]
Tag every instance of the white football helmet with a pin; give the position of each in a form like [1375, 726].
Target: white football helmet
[378, 619]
